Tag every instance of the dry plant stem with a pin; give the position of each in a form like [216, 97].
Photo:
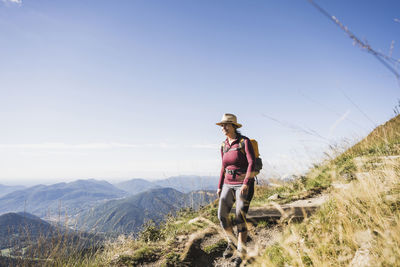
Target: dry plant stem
[388, 61]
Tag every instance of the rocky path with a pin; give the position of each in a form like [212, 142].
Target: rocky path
[265, 224]
[296, 210]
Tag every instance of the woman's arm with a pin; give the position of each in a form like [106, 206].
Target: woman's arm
[222, 173]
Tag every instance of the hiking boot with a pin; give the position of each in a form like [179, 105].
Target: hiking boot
[228, 251]
[237, 261]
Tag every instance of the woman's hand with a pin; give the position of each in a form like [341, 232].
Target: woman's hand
[219, 192]
[244, 189]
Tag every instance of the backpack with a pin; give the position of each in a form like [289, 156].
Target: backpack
[258, 162]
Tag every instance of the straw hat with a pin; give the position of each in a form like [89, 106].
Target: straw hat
[229, 118]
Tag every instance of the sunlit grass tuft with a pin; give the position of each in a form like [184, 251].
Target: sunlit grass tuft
[359, 225]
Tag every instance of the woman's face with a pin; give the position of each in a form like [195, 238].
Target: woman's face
[228, 129]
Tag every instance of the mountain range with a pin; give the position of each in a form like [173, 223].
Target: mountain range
[127, 215]
[103, 207]
[183, 183]
[136, 186]
[188, 183]
[50, 201]
[5, 189]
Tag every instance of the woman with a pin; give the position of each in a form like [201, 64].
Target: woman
[236, 183]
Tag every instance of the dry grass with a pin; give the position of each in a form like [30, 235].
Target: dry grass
[161, 245]
[359, 225]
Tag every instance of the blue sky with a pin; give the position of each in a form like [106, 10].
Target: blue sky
[132, 89]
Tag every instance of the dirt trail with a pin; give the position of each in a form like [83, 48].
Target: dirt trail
[266, 222]
[264, 230]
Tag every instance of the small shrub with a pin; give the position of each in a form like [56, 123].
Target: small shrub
[150, 232]
[144, 254]
[307, 261]
[216, 247]
[263, 224]
[172, 259]
[275, 253]
[211, 212]
[347, 169]
[321, 181]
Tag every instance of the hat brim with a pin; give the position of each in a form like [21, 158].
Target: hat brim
[238, 125]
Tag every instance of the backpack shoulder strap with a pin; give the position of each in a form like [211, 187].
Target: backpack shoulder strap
[242, 144]
[223, 148]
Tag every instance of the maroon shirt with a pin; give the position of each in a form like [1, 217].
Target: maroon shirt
[237, 160]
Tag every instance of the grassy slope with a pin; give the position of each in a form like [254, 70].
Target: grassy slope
[361, 220]
[359, 225]
[165, 244]
[384, 140]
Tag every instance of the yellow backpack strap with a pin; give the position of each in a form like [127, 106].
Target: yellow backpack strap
[242, 146]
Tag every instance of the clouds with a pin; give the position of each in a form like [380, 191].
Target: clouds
[93, 146]
[17, 2]
[205, 146]
[64, 146]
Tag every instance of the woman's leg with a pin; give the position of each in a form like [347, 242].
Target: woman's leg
[242, 207]
[226, 201]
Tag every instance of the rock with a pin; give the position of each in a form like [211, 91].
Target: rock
[361, 258]
[274, 197]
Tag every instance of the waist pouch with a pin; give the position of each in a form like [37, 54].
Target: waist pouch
[234, 173]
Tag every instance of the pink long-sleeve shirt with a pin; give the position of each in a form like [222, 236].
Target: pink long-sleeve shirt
[237, 160]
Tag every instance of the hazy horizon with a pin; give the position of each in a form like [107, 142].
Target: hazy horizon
[111, 181]
[99, 89]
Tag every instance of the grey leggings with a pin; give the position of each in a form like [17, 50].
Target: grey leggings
[229, 194]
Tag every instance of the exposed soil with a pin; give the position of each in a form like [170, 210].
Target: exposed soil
[205, 248]
[261, 236]
[259, 239]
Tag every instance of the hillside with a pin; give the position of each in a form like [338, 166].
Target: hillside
[343, 212]
[188, 183]
[357, 225]
[182, 183]
[127, 215]
[5, 189]
[136, 186]
[384, 140]
[17, 228]
[62, 198]
[26, 240]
